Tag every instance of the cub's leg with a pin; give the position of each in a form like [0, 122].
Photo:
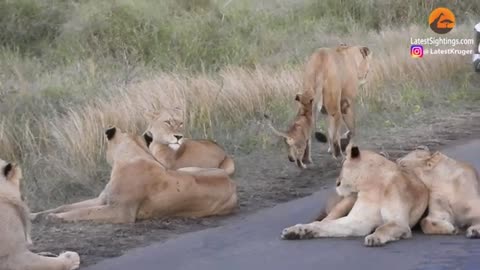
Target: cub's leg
[104, 213]
[31, 261]
[307, 155]
[360, 221]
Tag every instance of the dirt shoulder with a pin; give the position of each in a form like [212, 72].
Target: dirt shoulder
[264, 179]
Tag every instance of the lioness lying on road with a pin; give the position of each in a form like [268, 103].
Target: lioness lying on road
[141, 188]
[298, 135]
[333, 75]
[15, 229]
[454, 192]
[389, 201]
[166, 142]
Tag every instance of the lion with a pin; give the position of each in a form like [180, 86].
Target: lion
[15, 229]
[297, 138]
[333, 76]
[168, 145]
[389, 202]
[454, 192]
[140, 187]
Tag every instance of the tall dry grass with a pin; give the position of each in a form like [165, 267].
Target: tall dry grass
[61, 147]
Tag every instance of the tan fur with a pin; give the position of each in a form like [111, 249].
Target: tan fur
[174, 151]
[15, 230]
[297, 138]
[454, 192]
[333, 75]
[389, 201]
[140, 187]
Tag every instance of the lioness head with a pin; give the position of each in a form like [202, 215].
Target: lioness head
[121, 145]
[362, 57]
[360, 169]
[10, 176]
[420, 161]
[166, 127]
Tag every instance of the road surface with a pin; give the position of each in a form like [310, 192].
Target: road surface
[254, 243]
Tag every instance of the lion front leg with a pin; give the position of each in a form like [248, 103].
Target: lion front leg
[30, 261]
[342, 227]
[388, 232]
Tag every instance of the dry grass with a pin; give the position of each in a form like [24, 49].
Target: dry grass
[62, 152]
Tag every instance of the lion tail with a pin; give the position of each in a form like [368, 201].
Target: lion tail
[278, 133]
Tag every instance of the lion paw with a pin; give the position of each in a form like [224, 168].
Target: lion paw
[373, 240]
[71, 259]
[297, 232]
[53, 218]
[473, 232]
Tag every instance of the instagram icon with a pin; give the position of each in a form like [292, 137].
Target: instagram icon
[416, 51]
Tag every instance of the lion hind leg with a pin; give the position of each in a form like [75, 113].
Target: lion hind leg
[431, 225]
[104, 213]
[307, 154]
[30, 261]
[391, 231]
[67, 207]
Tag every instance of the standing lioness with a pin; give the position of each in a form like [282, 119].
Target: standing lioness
[15, 229]
[333, 75]
[388, 201]
[141, 188]
[454, 192]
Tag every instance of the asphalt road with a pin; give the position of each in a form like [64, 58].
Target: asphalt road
[254, 243]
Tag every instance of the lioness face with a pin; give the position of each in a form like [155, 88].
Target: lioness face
[167, 128]
[415, 159]
[357, 170]
[10, 175]
[362, 57]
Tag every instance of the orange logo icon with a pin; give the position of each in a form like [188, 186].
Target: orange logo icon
[441, 20]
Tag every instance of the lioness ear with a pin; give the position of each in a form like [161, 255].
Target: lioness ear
[110, 133]
[385, 154]
[7, 169]
[148, 138]
[434, 159]
[151, 115]
[422, 147]
[297, 97]
[355, 152]
[365, 51]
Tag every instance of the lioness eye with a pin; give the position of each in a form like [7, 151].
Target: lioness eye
[168, 122]
[181, 124]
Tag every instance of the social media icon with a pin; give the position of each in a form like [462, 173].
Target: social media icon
[416, 51]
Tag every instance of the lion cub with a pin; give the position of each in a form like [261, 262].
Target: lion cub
[298, 135]
[15, 229]
[454, 192]
[166, 142]
[140, 187]
[388, 201]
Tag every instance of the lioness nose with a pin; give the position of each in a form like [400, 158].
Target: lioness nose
[179, 137]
